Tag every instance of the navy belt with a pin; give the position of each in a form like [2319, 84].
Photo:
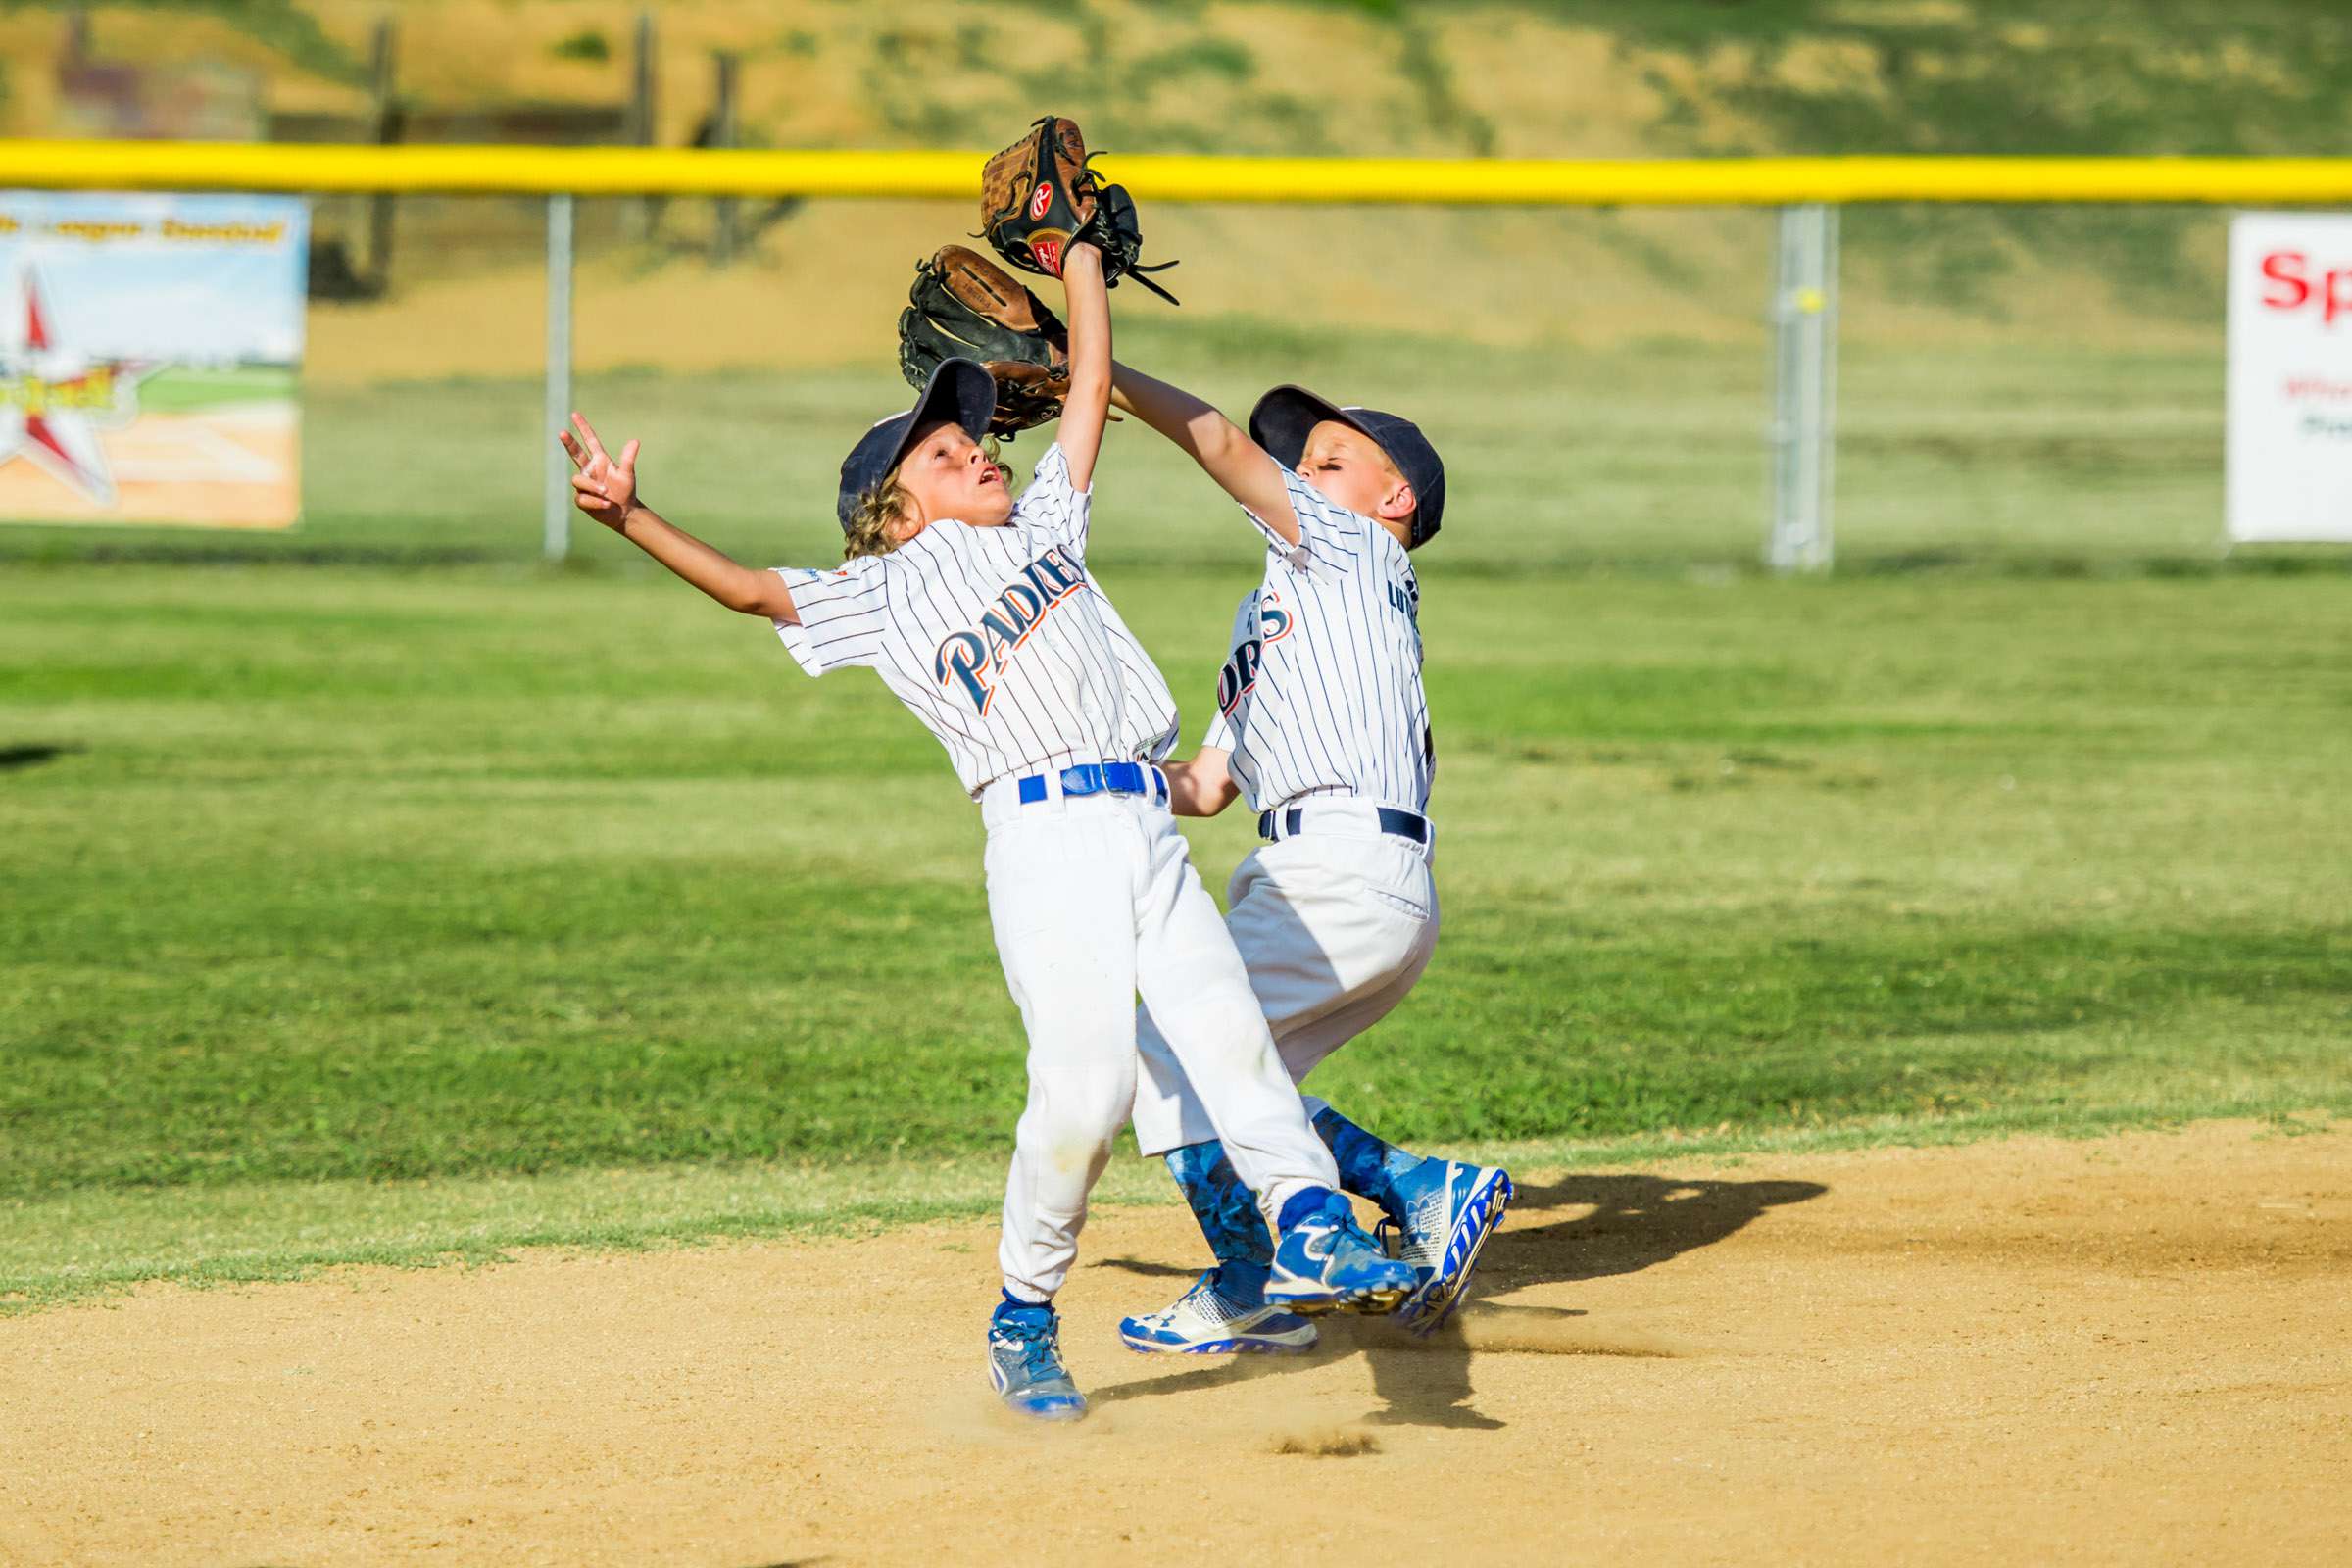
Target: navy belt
[1404, 825]
[1101, 779]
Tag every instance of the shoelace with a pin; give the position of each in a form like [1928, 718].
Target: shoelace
[1040, 1354]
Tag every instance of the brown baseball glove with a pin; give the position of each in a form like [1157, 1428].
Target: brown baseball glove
[1038, 198]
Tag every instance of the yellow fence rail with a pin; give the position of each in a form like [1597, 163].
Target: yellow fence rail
[1415, 182]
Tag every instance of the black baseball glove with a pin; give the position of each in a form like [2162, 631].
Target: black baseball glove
[964, 304]
[1038, 198]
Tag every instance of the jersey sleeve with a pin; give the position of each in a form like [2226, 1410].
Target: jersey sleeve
[843, 613]
[1328, 532]
[1052, 507]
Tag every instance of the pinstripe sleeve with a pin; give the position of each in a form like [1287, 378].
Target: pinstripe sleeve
[843, 613]
[1327, 531]
[1052, 507]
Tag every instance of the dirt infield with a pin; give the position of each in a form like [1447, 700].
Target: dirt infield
[2130, 1351]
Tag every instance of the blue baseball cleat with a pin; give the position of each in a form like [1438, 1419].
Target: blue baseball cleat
[1219, 1316]
[1024, 1362]
[1323, 1260]
[1450, 1209]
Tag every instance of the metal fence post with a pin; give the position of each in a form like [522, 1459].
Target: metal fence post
[1805, 388]
[556, 515]
[644, 211]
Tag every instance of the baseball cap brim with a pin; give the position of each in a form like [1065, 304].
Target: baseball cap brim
[1286, 416]
[959, 390]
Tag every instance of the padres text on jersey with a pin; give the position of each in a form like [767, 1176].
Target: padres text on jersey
[996, 638]
[1321, 694]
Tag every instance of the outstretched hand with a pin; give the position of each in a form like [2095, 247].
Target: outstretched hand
[605, 486]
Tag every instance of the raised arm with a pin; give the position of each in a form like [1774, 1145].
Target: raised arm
[1222, 448]
[605, 488]
[1088, 404]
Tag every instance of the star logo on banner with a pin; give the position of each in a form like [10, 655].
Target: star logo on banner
[53, 400]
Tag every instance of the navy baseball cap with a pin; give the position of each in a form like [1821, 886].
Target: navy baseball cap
[1285, 417]
[960, 390]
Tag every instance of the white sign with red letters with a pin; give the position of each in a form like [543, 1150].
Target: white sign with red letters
[2289, 456]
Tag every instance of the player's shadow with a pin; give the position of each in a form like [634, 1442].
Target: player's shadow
[16, 757]
[1581, 1227]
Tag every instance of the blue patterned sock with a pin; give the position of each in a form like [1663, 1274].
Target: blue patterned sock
[1368, 1167]
[1226, 1209]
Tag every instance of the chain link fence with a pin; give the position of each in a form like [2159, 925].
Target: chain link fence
[2016, 389]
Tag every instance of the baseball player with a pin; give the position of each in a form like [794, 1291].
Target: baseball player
[1322, 724]
[977, 610]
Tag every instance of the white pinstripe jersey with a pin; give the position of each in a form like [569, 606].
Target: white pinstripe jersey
[1322, 692]
[995, 638]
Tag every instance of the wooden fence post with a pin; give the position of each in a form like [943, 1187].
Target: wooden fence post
[387, 132]
[723, 230]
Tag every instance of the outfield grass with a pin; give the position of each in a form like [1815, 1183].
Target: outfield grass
[367, 876]
[370, 895]
[356, 914]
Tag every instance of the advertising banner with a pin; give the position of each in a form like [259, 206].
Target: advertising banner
[2290, 454]
[150, 353]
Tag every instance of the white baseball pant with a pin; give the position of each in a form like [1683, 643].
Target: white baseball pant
[1093, 900]
[1335, 925]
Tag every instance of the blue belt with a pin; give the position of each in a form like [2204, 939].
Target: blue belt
[1404, 825]
[1101, 779]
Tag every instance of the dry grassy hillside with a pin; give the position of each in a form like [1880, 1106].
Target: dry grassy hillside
[1570, 77]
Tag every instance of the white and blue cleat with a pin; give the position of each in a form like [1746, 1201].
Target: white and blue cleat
[1324, 1261]
[1024, 1364]
[1450, 1209]
[1206, 1320]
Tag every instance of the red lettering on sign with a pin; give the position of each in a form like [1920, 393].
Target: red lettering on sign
[2288, 284]
[2288, 287]
[2338, 297]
